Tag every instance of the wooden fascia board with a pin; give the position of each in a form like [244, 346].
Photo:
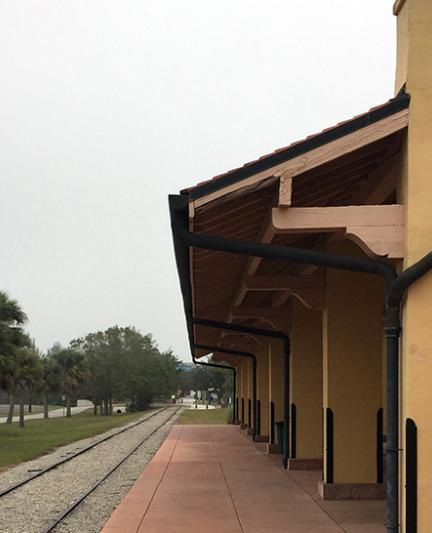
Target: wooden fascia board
[317, 156]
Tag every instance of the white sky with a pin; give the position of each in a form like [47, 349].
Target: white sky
[107, 106]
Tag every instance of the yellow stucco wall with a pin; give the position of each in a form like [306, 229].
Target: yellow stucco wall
[250, 387]
[234, 362]
[352, 349]
[245, 390]
[276, 379]
[402, 47]
[238, 386]
[307, 379]
[262, 354]
[415, 68]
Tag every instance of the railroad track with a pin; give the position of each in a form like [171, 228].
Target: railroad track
[57, 520]
[47, 497]
[37, 473]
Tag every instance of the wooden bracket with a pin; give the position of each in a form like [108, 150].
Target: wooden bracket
[311, 298]
[377, 229]
[235, 338]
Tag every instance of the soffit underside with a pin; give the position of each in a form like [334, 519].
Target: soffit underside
[245, 214]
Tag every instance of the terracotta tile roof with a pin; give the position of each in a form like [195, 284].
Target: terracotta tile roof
[400, 101]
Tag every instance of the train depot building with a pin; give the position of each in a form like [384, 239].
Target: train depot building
[307, 271]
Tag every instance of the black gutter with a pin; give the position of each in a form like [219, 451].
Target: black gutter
[399, 102]
[226, 367]
[238, 353]
[303, 256]
[286, 376]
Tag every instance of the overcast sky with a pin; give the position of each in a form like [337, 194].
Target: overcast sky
[108, 106]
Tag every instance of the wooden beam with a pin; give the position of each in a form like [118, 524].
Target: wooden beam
[319, 219]
[285, 191]
[377, 229]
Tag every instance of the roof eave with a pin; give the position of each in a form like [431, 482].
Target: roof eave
[399, 102]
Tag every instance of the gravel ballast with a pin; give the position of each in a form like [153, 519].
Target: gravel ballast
[31, 508]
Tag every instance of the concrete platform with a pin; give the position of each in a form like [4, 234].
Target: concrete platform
[212, 479]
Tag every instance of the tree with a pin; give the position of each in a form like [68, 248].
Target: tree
[125, 365]
[74, 372]
[10, 311]
[12, 340]
[27, 369]
[50, 379]
[208, 378]
[103, 352]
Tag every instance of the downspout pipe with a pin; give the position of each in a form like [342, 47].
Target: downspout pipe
[393, 330]
[237, 353]
[240, 328]
[226, 367]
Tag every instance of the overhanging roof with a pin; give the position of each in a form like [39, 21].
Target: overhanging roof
[281, 155]
[209, 280]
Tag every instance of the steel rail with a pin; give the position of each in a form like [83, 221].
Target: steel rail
[84, 495]
[90, 446]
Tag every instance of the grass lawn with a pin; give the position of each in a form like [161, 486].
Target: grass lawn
[41, 436]
[4, 410]
[205, 416]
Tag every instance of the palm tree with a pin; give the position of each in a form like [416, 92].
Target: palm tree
[49, 380]
[27, 370]
[19, 371]
[73, 371]
[12, 339]
[10, 310]
[7, 382]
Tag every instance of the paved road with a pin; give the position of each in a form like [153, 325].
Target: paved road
[55, 413]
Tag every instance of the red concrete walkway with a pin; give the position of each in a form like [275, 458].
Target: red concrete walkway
[212, 479]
